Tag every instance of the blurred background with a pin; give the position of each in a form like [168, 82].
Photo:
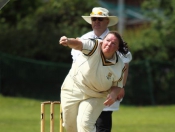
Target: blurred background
[34, 65]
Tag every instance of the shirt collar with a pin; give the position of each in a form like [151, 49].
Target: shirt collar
[108, 62]
[113, 59]
[102, 36]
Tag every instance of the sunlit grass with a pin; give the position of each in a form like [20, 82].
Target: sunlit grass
[23, 115]
[144, 119]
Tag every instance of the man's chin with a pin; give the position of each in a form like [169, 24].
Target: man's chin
[97, 27]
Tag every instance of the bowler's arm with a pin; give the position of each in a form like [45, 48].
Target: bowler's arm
[71, 42]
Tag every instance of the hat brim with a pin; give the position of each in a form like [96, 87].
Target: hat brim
[113, 20]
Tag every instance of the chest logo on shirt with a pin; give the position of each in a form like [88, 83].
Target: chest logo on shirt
[109, 75]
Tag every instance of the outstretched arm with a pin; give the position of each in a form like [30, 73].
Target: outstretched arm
[71, 42]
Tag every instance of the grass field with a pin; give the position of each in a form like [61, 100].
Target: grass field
[23, 115]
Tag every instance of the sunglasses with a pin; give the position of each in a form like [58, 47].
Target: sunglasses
[97, 18]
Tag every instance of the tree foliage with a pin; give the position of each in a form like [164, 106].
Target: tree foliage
[158, 40]
[32, 28]
[17, 10]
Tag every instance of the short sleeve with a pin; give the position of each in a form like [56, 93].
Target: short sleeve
[89, 45]
[127, 58]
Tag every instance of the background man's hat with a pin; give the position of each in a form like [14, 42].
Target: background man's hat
[101, 12]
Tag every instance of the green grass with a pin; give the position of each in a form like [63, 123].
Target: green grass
[144, 119]
[23, 115]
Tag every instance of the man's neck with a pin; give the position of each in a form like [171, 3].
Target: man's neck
[98, 33]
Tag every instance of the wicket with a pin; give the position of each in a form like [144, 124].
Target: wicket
[51, 115]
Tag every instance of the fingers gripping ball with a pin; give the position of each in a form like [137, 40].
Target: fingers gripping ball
[64, 41]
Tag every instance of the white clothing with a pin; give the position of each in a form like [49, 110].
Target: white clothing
[86, 86]
[71, 103]
[89, 35]
[127, 59]
[104, 74]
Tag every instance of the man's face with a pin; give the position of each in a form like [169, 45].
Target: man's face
[99, 23]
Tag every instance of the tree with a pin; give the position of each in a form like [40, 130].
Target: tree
[158, 40]
[33, 30]
[16, 10]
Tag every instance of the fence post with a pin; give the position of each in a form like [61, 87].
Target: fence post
[0, 72]
[150, 81]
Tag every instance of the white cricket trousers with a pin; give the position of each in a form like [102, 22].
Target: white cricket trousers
[80, 111]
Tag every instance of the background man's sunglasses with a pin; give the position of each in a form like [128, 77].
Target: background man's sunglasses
[97, 18]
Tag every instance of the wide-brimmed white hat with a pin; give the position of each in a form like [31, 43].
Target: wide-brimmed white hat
[101, 12]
